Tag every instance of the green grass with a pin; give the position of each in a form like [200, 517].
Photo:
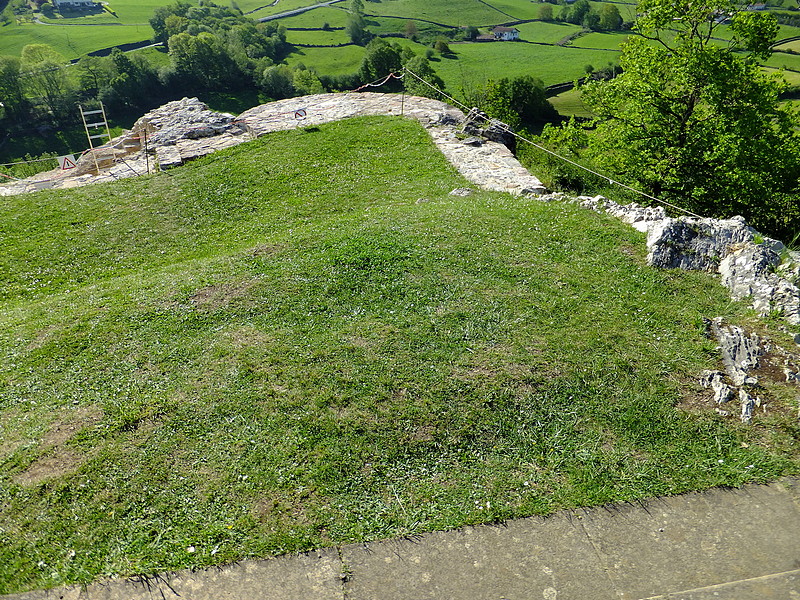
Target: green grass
[71, 41]
[329, 61]
[551, 64]
[780, 60]
[601, 41]
[335, 17]
[281, 6]
[463, 13]
[520, 9]
[548, 33]
[279, 347]
[317, 37]
[569, 103]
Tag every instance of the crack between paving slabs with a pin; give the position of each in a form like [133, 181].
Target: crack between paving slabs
[597, 551]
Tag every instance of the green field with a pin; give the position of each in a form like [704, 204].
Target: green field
[601, 41]
[329, 61]
[280, 347]
[548, 33]
[551, 64]
[569, 103]
[459, 14]
[335, 17]
[265, 9]
[317, 37]
[781, 60]
[71, 41]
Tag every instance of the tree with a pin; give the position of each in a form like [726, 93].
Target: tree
[695, 121]
[306, 82]
[577, 12]
[277, 82]
[356, 30]
[610, 19]
[471, 32]
[519, 101]
[441, 46]
[410, 29]
[159, 19]
[545, 12]
[380, 59]
[202, 60]
[422, 67]
[12, 93]
[45, 78]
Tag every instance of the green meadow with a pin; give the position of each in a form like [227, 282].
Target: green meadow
[306, 341]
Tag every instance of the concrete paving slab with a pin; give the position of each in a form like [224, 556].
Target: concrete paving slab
[783, 586]
[536, 558]
[313, 576]
[697, 540]
[721, 545]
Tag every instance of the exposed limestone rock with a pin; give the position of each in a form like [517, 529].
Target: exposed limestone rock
[747, 358]
[751, 266]
[750, 272]
[639, 217]
[740, 352]
[716, 381]
[478, 123]
[695, 244]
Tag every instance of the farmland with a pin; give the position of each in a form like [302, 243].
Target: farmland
[542, 52]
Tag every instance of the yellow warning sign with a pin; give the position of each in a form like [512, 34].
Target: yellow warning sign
[67, 162]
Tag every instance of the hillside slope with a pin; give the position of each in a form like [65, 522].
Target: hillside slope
[305, 340]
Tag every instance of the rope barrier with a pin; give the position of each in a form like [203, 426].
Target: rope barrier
[379, 82]
[33, 160]
[508, 130]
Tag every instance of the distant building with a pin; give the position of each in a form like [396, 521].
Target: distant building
[505, 34]
[485, 37]
[759, 6]
[75, 4]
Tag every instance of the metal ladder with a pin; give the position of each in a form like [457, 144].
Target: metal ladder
[93, 135]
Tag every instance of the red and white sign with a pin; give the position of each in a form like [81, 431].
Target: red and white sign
[67, 162]
[300, 114]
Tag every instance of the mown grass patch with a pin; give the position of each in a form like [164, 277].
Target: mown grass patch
[333, 16]
[71, 41]
[306, 341]
[462, 14]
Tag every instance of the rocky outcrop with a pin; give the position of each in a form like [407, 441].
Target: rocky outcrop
[695, 244]
[752, 272]
[747, 359]
[750, 265]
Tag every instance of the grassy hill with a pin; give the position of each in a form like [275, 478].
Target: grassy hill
[306, 341]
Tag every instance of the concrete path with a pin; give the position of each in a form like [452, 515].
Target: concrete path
[722, 544]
